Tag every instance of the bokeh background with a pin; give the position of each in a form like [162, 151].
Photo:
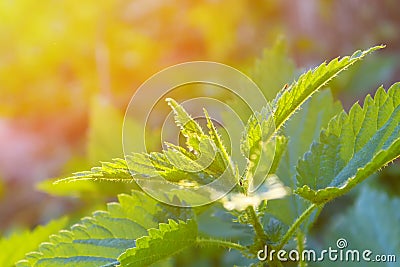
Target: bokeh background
[69, 68]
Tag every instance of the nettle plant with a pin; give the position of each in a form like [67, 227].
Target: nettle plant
[322, 152]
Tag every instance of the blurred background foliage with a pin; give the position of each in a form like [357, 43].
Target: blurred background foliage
[69, 68]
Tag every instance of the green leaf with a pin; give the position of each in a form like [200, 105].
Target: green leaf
[291, 98]
[354, 146]
[258, 145]
[302, 129]
[261, 127]
[258, 129]
[149, 165]
[206, 159]
[90, 190]
[222, 153]
[98, 240]
[273, 70]
[109, 171]
[189, 127]
[12, 249]
[374, 217]
[210, 154]
[210, 160]
[168, 240]
[280, 149]
[270, 73]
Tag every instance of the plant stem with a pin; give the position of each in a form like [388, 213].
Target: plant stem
[300, 247]
[258, 228]
[220, 243]
[296, 225]
[275, 263]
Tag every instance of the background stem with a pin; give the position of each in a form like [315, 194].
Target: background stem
[296, 225]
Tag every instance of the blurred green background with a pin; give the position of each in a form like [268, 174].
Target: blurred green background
[67, 67]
